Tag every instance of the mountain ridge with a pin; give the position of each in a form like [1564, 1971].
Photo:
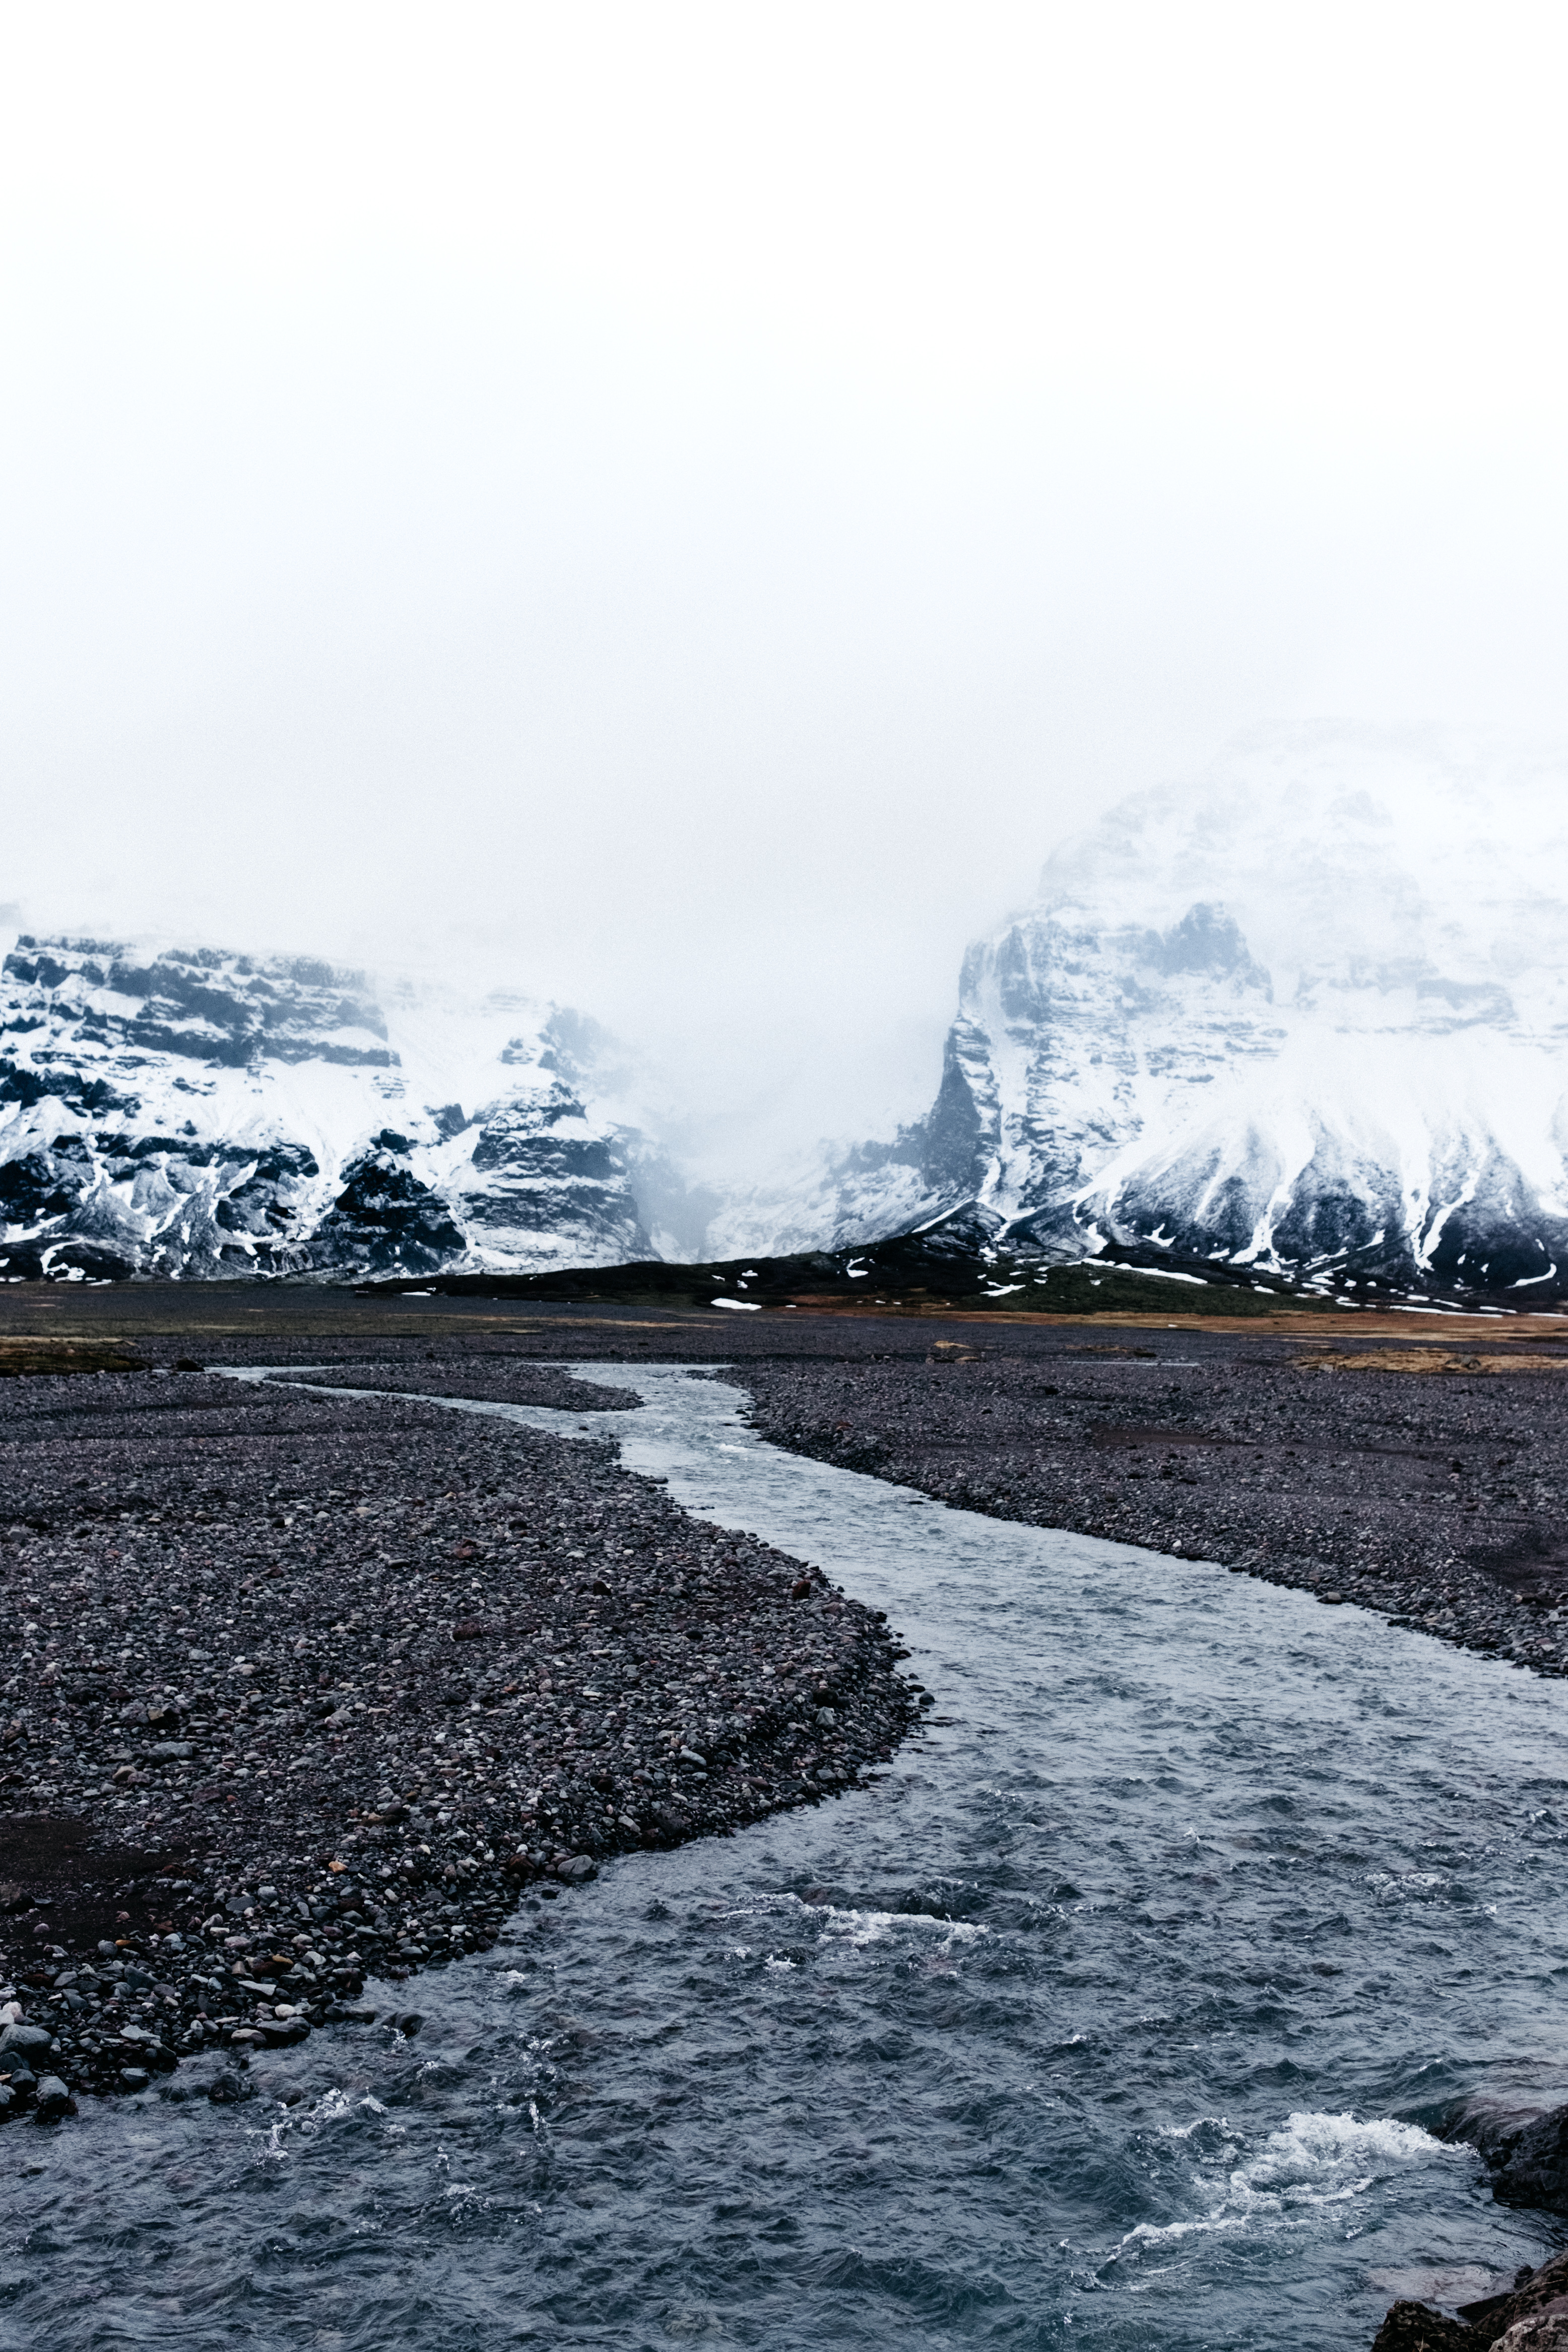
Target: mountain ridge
[1309, 1018]
[197, 1113]
[1305, 1019]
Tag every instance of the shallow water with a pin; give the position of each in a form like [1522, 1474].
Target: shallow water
[1232, 1882]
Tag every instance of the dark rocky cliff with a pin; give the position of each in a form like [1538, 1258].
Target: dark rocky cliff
[203, 1114]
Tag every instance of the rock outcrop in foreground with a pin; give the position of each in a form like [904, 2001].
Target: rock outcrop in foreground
[1525, 2149]
[1533, 2318]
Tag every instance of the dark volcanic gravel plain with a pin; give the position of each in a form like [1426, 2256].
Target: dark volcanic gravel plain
[1434, 1495]
[296, 1688]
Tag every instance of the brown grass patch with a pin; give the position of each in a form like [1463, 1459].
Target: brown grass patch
[1423, 1360]
[44, 1358]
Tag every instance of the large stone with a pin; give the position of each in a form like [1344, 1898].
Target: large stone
[27, 2039]
[1525, 2149]
[1544, 2331]
[1532, 2318]
[1416, 2327]
[1534, 2170]
[53, 2099]
[282, 2032]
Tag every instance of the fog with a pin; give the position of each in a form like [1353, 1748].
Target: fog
[679, 511]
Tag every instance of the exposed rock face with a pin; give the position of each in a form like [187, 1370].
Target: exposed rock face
[1415, 2328]
[540, 1164]
[1542, 2331]
[384, 1220]
[1525, 2149]
[1532, 2318]
[1311, 1017]
[213, 1115]
[224, 1010]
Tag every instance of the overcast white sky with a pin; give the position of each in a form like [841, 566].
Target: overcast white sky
[682, 505]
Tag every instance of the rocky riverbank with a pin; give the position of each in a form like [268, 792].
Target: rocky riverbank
[1437, 1497]
[300, 1690]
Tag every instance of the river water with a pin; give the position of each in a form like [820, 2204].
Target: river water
[1101, 2020]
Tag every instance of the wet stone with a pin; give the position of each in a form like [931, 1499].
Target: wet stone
[24, 2040]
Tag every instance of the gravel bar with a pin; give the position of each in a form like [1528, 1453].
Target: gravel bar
[1394, 1477]
[298, 1690]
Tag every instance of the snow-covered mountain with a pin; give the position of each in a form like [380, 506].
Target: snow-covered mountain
[203, 1114]
[1308, 1015]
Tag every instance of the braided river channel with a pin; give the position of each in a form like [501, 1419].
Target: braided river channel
[1106, 2017]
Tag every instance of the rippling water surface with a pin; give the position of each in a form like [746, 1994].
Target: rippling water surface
[1091, 2023]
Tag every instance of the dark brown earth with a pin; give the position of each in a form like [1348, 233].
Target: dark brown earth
[318, 1687]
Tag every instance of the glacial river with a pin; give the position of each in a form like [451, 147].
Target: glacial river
[1099, 2020]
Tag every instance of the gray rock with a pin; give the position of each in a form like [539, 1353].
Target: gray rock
[1524, 2149]
[282, 2032]
[1530, 2319]
[1416, 2327]
[1541, 2331]
[24, 2037]
[1534, 2169]
[53, 2099]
